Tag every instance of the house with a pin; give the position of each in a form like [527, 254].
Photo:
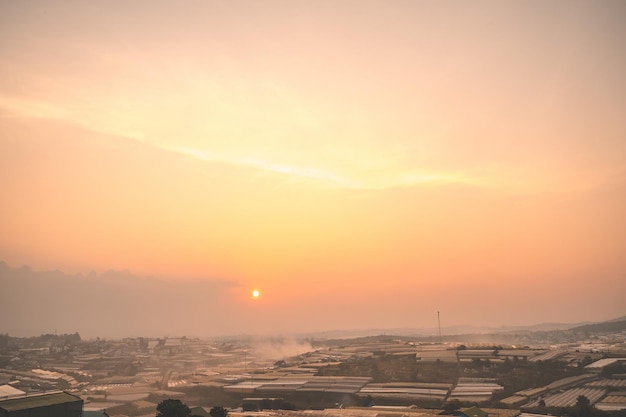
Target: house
[200, 411]
[54, 404]
[100, 413]
[7, 391]
[471, 412]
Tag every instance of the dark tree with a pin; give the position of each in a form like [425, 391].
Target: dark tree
[172, 408]
[451, 406]
[583, 407]
[218, 411]
[585, 361]
[478, 363]
[582, 401]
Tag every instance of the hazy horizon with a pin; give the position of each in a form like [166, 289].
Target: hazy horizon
[117, 304]
[357, 162]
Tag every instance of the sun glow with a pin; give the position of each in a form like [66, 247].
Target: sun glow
[255, 294]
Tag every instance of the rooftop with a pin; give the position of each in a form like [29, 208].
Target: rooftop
[40, 400]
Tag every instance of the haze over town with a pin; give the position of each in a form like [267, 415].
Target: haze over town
[362, 164]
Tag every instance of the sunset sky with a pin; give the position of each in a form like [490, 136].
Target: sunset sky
[361, 163]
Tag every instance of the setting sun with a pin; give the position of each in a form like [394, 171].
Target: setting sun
[255, 294]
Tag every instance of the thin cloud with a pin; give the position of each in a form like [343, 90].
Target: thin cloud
[28, 108]
[395, 177]
[400, 179]
[40, 109]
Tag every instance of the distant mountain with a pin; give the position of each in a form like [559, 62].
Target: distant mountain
[616, 325]
[474, 332]
[448, 333]
[542, 327]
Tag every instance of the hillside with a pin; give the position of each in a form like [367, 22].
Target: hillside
[607, 326]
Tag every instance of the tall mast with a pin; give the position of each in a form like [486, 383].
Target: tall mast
[439, 321]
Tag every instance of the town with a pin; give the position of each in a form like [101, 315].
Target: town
[578, 371]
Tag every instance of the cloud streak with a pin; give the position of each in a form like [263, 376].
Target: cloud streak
[25, 108]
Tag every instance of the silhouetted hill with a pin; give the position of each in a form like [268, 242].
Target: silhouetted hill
[623, 318]
[607, 326]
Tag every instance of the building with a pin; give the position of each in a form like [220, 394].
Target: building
[471, 412]
[7, 391]
[100, 413]
[54, 404]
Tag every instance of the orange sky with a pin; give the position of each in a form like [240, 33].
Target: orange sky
[363, 163]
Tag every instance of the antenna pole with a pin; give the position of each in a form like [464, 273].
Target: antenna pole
[439, 321]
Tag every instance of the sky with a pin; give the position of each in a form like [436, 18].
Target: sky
[361, 163]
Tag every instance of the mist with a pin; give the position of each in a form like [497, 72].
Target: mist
[111, 304]
[278, 348]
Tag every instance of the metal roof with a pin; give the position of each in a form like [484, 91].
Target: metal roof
[35, 401]
[9, 391]
[604, 362]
